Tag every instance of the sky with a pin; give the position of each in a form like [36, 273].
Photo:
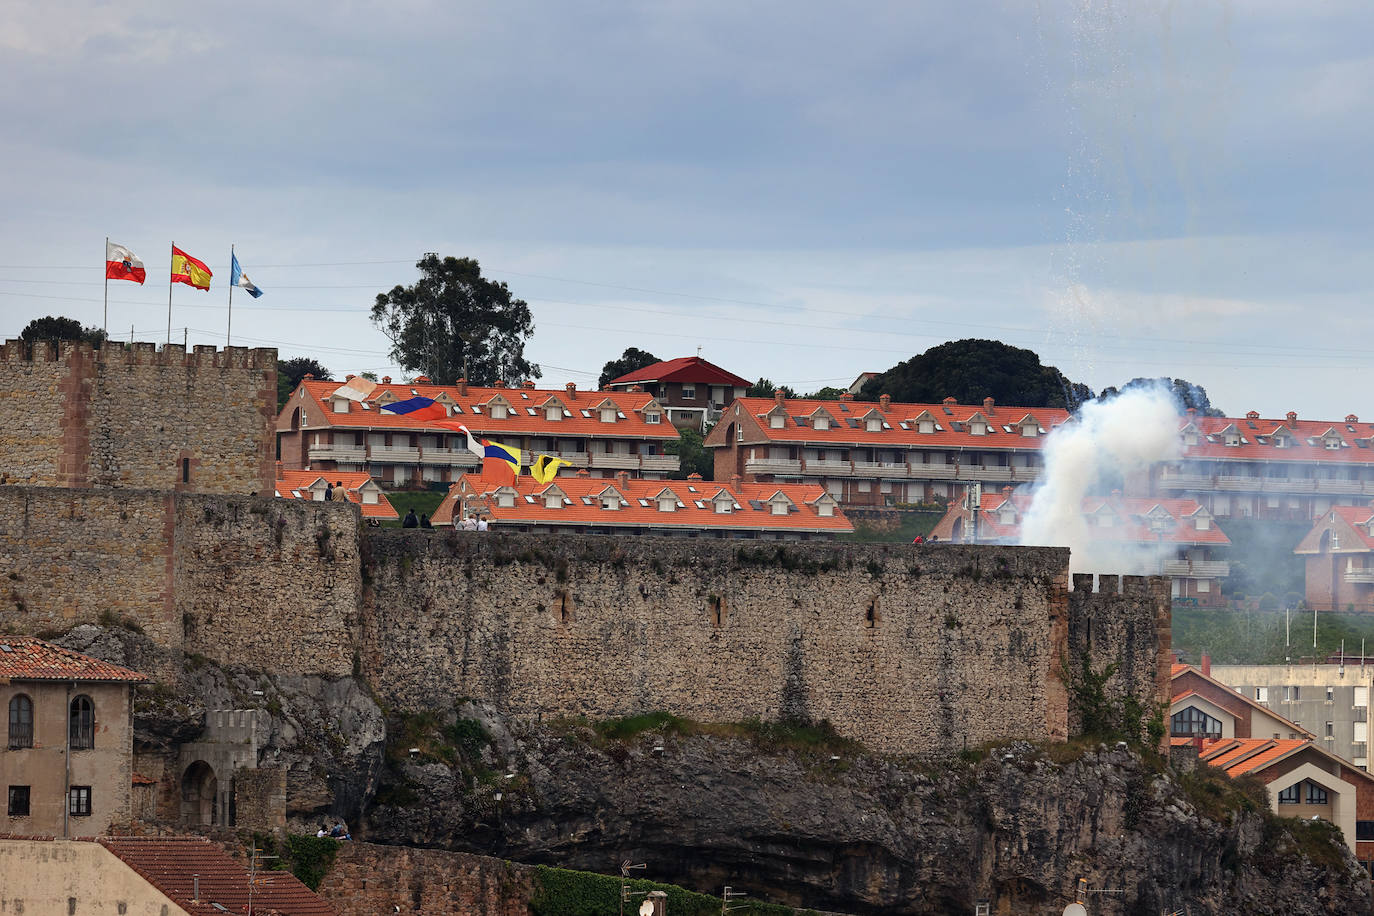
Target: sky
[804, 191]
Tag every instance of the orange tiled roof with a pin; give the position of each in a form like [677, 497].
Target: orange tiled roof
[1132, 510]
[26, 658]
[169, 864]
[952, 429]
[1356, 518]
[1304, 440]
[293, 484]
[687, 369]
[470, 409]
[750, 508]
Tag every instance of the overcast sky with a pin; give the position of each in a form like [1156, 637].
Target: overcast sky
[803, 190]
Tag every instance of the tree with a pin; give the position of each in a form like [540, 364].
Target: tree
[291, 371]
[454, 323]
[693, 456]
[59, 328]
[764, 388]
[828, 393]
[971, 370]
[1187, 394]
[633, 358]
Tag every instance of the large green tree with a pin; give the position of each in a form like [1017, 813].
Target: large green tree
[1187, 394]
[291, 371]
[973, 369]
[764, 388]
[633, 358]
[59, 328]
[693, 456]
[454, 323]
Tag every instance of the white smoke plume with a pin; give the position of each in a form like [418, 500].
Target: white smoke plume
[1096, 452]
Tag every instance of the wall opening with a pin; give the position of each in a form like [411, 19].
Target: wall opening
[564, 612]
[715, 608]
[199, 795]
[871, 615]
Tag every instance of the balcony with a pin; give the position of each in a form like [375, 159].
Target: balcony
[879, 469]
[391, 454]
[829, 468]
[448, 457]
[1197, 569]
[1359, 576]
[349, 454]
[667, 463]
[1185, 482]
[934, 471]
[773, 466]
[618, 462]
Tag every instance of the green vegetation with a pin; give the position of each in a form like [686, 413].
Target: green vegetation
[1106, 716]
[309, 858]
[424, 502]
[1262, 560]
[561, 892]
[693, 456]
[1254, 637]
[971, 370]
[913, 522]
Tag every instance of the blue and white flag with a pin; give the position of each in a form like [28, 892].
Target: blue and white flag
[240, 279]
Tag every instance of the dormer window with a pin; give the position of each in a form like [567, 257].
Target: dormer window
[1203, 523]
[1332, 443]
[610, 501]
[369, 497]
[977, 428]
[667, 503]
[723, 505]
[1190, 436]
[498, 411]
[873, 425]
[553, 413]
[780, 507]
[608, 415]
[553, 500]
[1030, 430]
[506, 499]
[825, 509]
[926, 426]
[653, 417]
[1104, 521]
[341, 405]
[776, 421]
[821, 422]
[1006, 515]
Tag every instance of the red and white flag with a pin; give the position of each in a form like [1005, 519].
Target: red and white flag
[123, 264]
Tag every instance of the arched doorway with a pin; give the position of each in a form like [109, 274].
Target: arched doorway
[199, 795]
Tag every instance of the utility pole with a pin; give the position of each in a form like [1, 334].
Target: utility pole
[730, 894]
[625, 892]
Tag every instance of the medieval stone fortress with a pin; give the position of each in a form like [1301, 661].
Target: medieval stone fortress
[138, 520]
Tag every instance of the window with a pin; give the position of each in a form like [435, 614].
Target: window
[1291, 795]
[19, 801]
[554, 414]
[779, 508]
[821, 423]
[1261, 694]
[1364, 830]
[1330, 694]
[1330, 730]
[1291, 694]
[505, 500]
[1361, 696]
[553, 501]
[1191, 722]
[341, 405]
[776, 421]
[82, 723]
[926, 426]
[1316, 795]
[652, 418]
[825, 509]
[689, 392]
[739, 433]
[186, 470]
[79, 801]
[873, 425]
[1204, 586]
[21, 721]
[608, 415]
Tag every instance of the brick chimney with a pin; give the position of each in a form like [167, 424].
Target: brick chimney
[1007, 491]
[1191, 412]
[422, 379]
[309, 376]
[637, 388]
[884, 402]
[527, 383]
[1292, 419]
[1351, 418]
[571, 388]
[987, 406]
[950, 402]
[386, 380]
[735, 481]
[462, 387]
[778, 396]
[1252, 415]
[583, 472]
[622, 479]
[694, 476]
[1206, 664]
[846, 396]
[499, 383]
[349, 377]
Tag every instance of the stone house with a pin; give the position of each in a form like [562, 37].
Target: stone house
[68, 759]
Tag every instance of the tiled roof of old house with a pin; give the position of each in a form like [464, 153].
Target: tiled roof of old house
[297, 484]
[170, 864]
[1324, 441]
[689, 369]
[693, 504]
[26, 658]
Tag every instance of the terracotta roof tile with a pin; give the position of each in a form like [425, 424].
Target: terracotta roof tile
[1132, 513]
[687, 369]
[1304, 441]
[294, 484]
[27, 658]
[169, 864]
[582, 505]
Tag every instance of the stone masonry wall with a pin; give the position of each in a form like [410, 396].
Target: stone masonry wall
[368, 879]
[129, 417]
[907, 649]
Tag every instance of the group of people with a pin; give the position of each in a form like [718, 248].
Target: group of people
[410, 521]
[472, 522]
[338, 832]
[331, 488]
[475, 522]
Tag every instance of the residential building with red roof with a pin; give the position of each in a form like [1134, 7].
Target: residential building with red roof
[1245, 738]
[694, 390]
[1171, 537]
[602, 431]
[68, 757]
[669, 508]
[172, 875]
[883, 453]
[1339, 559]
[1249, 467]
[357, 488]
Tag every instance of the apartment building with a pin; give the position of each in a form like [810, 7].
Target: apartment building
[1330, 701]
[1249, 467]
[693, 390]
[693, 507]
[883, 453]
[1168, 537]
[600, 431]
[1339, 559]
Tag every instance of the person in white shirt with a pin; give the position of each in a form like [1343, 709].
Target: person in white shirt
[470, 523]
[482, 524]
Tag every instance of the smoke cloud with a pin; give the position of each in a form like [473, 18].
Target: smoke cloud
[1091, 455]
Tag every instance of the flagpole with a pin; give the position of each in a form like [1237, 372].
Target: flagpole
[230, 325]
[171, 262]
[107, 286]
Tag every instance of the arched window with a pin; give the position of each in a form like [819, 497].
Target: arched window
[21, 721]
[81, 721]
[1190, 722]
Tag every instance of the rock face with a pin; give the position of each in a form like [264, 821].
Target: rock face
[862, 834]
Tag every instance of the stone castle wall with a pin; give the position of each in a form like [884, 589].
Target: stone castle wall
[909, 649]
[368, 879]
[138, 417]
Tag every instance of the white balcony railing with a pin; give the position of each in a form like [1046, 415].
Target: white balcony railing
[829, 468]
[660, 463]
[353, 454]
[393, 454]
[448, 457]
[1197, 569]
[774, 466]
[1185, 482]
[1360, 576]
[619, 462]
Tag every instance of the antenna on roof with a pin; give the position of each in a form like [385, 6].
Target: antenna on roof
[698, 351]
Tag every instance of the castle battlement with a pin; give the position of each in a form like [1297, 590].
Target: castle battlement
[1112, 584]
[22, 352]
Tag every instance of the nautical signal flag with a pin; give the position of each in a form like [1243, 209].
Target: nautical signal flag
[356, 389]
[499, 462]
[123, 264]
[417, 408]
[188, 270]
[545, 468]
[240, 279]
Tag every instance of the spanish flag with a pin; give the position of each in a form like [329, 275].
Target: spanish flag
[188, 270]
